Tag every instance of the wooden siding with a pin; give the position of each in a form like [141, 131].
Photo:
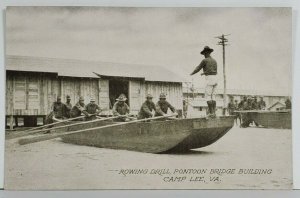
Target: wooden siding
[173, 91]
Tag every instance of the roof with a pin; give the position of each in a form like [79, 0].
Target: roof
[276, 103]
[236, 92]
[90, 69]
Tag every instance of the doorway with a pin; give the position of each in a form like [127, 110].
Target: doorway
[117, 87]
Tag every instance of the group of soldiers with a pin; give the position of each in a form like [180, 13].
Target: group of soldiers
[247, 103]
[120, 110]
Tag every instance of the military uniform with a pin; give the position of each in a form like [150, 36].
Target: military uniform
[261, 104]
[59, 110]
[162, 108]
[209, 66]
[146, 110]
[288, 104]
[77, 110]
[68, 109]
[91, 109]
[231, 108]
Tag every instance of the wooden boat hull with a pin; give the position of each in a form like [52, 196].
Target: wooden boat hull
[271, 119]
[156, 136]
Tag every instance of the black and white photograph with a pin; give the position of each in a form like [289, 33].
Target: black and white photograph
[148, 98]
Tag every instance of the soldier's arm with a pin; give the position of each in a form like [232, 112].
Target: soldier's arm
[171, 107]
[198, 68]
[114, 110]
[127, 108]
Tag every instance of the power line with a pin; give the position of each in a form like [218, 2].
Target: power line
[223, 41]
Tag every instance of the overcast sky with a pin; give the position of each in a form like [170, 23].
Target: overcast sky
[258, 57]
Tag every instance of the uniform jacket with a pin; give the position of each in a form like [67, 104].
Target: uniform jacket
[77, 110]
[68, 109]
[120, 109]
[209, 66]
[58, 109]
[162, 108]
[146, 110]
[92, 108]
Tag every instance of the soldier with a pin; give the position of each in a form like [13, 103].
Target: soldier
[209, 66]
[68, 107]
[255, 105]
[163, 105]
[78, 109]
[92, 110]
[262, 104]
[147, 107]
[185, 108]
[121, 109]
[288, 104]
[231, 107]
[58, 109]
[243, 103]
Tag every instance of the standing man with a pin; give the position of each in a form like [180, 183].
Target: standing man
[185, 107]
[163, 105]
[288, 104]
[262, 104]
[147, 107]
[92, 110]
[78, 109]
[209, 66]
[68, 107]
[231, 107]
[121, 109]
[255, 105]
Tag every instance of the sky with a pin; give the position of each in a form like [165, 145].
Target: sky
[258, 57]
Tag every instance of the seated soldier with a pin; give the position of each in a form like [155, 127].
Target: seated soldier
[163, 105]
[92, 110]
[58, 111]
[147, 107]
[78, 109]
[121, 109]
[68, 107]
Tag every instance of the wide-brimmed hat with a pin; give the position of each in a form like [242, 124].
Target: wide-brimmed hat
[206, 49]
[92, 100]
[122, 97]
[58, 98]
[162, 95]
[81, 98]
[68, 97]
[149, 96]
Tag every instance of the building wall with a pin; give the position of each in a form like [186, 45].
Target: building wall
[31, 93]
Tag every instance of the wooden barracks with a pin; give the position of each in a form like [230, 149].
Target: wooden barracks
[33, 83]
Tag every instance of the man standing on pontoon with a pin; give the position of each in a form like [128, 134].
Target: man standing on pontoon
[209, 66]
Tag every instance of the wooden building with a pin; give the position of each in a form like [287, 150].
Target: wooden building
[33, 83]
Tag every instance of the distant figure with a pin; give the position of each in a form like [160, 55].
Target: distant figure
[243, 103]
[209, 66]
[78, 109]
[255, 104]
[120, 108]
[238, 115]
[147, 107]
[68, 107]
[262, 104]
[185, 108]
[92, 110]
[288, 104]
[231, 107]
[163, 105]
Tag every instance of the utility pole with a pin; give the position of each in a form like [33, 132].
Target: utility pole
[223, 41]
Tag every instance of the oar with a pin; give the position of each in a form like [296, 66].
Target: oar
[75, 124]
[56, 135]
[46, 125]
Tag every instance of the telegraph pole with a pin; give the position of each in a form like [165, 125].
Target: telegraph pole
[223, 41]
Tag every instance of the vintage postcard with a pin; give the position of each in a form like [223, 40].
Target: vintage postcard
[148, 98]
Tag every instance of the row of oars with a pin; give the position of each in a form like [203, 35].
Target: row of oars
[56, 135]
[45, 127]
